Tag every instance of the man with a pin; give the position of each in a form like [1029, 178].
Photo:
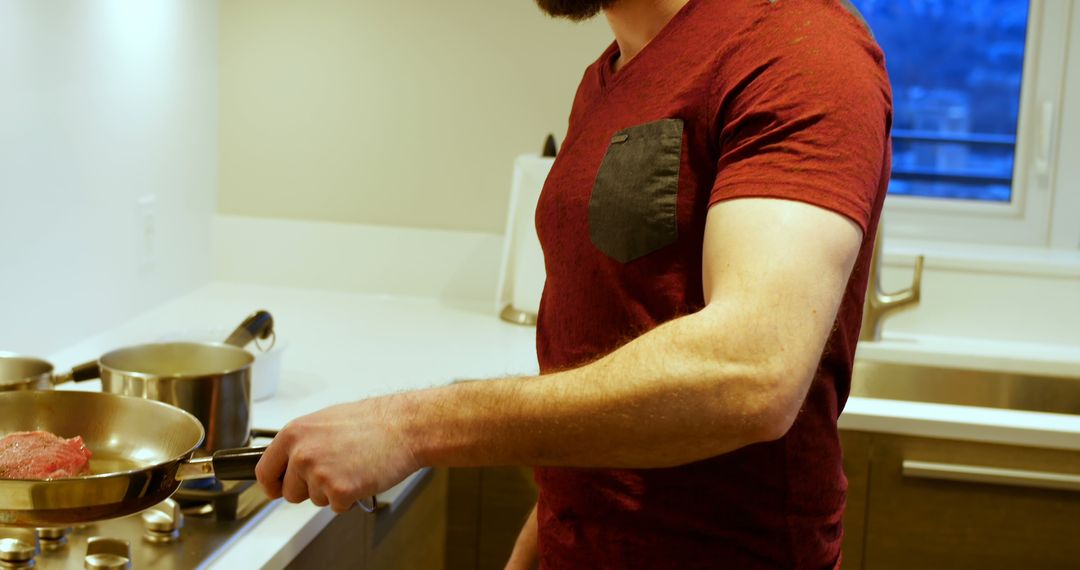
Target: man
[723, 174]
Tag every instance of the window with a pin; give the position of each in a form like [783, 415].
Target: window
[976, 96]
[956, 93]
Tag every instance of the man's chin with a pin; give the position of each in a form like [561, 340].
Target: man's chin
[576, 10]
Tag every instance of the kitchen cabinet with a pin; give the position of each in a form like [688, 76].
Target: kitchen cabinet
[487, 508]
[934, 503]
[489, 505]
[410, 532]
[856, 447]
[955, 505]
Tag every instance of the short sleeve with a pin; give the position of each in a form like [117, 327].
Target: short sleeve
[803, 112]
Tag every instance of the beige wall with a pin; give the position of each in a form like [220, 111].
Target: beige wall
[397, 113]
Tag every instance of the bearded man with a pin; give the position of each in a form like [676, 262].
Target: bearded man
[707, 230]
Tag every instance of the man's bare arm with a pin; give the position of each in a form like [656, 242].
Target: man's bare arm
[732, 374]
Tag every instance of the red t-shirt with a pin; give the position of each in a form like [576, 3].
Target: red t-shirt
[741, 98]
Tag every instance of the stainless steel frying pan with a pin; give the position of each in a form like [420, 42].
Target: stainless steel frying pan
[142, 451]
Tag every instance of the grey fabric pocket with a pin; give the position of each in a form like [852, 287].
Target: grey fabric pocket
[632, 206]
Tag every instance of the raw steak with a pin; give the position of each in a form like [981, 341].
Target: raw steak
[42, 455]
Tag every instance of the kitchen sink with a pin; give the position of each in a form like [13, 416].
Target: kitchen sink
[964, 387]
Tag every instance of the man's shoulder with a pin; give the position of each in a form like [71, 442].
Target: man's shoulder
[774, 26]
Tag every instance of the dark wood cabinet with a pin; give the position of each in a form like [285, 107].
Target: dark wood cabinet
[912, 503]
[856, 447]
[933, 503]
[410, 532]
[487, 508]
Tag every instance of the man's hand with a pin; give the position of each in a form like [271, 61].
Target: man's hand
[338, 456]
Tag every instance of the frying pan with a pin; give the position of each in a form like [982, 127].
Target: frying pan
[142, 451]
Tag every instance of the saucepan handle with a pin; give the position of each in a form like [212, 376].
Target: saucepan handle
[262, 433]
[79, 373]
[258, 325]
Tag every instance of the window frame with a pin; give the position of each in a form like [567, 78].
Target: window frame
[1040, 140]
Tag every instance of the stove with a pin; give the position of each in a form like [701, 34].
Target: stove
[187, 531]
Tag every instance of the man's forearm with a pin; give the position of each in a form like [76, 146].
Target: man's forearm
[682, 392]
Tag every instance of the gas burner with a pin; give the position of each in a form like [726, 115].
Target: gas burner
[161, 537]
[53, 538]
[104, 553]
[225, 500]
[18, 548]
[162, 523]
[210, 484]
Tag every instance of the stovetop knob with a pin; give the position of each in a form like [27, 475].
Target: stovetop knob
[18, 547]
[107, 554]
[162, 523]
[53, 538]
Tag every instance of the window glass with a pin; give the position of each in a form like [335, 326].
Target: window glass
[956, 70]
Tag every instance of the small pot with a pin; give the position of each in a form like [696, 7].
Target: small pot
[19, 372]
[265, 371]
[212, 381]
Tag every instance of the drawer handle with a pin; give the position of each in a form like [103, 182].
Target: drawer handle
[991, 475]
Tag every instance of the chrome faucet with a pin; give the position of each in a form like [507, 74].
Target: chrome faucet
[878, 304]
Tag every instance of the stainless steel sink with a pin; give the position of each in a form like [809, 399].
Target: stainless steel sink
[965, 387]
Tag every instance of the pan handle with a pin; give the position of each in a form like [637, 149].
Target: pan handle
[258, 325]
[79, 373]
[239, 465]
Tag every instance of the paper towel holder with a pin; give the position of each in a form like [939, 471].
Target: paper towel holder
[522, 273]
[517, 316]
[509, 313]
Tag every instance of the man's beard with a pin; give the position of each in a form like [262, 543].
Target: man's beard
[576, 10]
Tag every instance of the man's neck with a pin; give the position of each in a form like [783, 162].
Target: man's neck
[636, 22]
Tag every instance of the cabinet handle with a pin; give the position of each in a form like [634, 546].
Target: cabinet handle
[991, 475]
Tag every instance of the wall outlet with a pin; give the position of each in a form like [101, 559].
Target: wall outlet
[146, 226]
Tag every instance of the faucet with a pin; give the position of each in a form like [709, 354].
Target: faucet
[878, 304]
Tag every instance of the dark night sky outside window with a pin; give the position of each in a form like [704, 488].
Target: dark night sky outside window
[956, 70]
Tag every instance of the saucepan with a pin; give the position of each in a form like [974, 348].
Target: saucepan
[19, 372]
[142, 451]
[210, 380]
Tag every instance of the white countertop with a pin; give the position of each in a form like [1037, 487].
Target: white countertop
[347, 346]
[342, 347]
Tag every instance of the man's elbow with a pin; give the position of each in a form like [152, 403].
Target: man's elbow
[779, 398]
[775, 425]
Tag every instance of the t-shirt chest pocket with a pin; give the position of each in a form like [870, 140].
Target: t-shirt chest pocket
[632, 206]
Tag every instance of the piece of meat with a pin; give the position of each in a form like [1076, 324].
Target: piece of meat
[42, 455]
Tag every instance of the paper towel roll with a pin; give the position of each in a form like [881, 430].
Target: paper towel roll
[522, 274]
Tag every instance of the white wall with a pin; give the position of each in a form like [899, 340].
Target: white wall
[393, 113]
[102, 102]
[986, 293]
